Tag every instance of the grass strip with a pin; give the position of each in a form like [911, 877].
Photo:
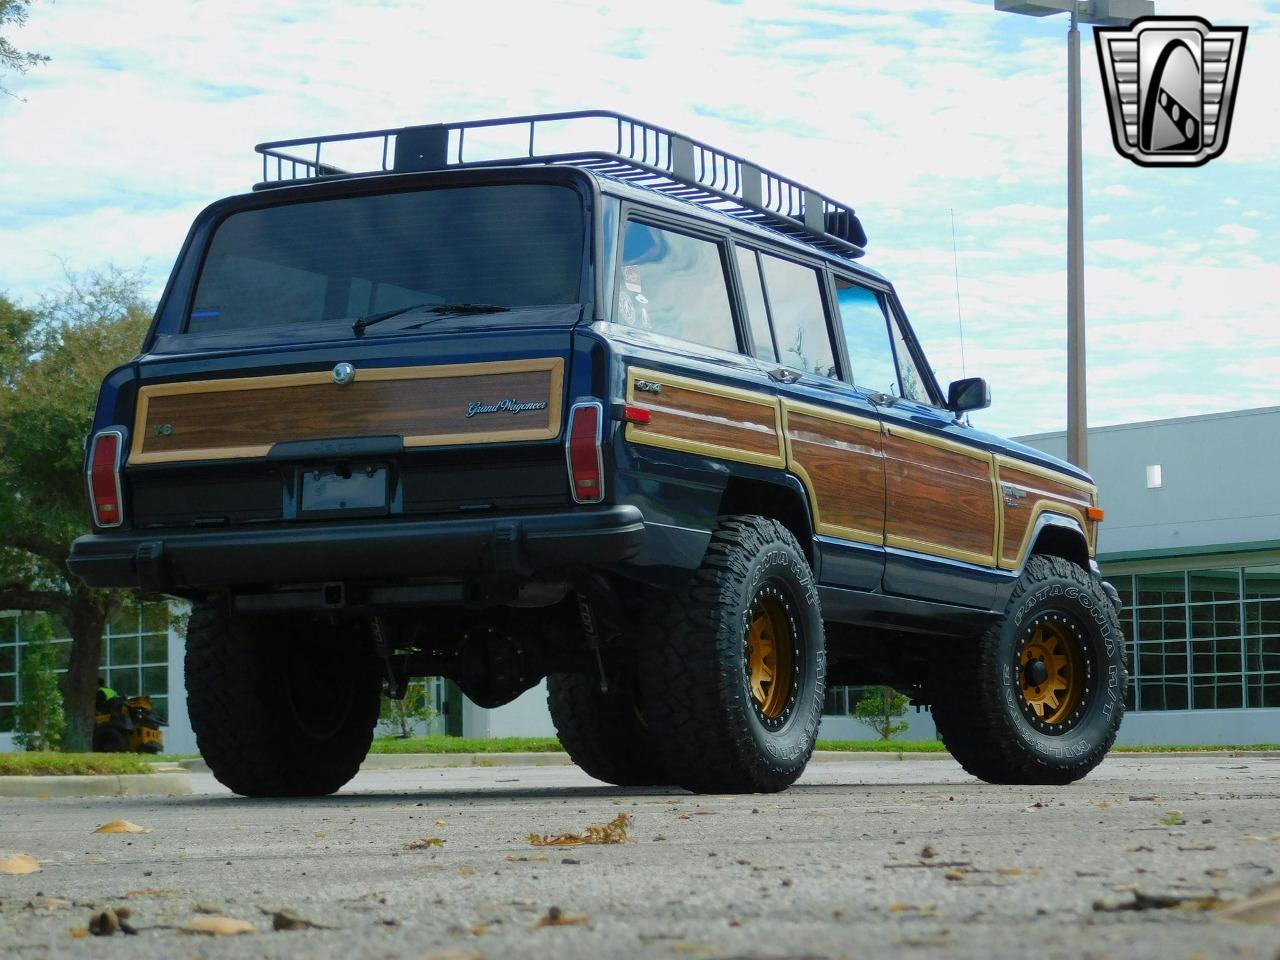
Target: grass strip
[552, 745]
[40, 763]
[466, 745]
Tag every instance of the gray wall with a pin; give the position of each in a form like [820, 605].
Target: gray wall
[1219, 480]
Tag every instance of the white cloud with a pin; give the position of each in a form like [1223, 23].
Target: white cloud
[909, 109]
[1238, 232]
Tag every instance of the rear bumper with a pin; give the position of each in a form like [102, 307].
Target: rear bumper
[502, 547]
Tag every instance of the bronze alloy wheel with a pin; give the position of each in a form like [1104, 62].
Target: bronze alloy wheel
[770, 657]
[1054, 674]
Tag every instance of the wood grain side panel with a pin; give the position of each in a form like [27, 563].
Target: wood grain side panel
[940, 500]
[238, 418]
[842, 465]
[705, 418]
[1025, 496]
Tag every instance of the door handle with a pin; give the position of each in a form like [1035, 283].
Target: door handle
[783, 375]
[882, 399]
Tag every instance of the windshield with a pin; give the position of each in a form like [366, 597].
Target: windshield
[512, 245]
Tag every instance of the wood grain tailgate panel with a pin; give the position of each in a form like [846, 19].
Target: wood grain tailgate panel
[426, 406]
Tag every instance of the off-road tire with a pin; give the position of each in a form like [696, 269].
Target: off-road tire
[978, 706]
[603, 733]
[269, 724]
[694, 680]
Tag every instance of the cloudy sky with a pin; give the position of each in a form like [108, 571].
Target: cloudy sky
[908, 110]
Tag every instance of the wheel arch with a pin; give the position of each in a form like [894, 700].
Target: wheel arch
[1056, 535]
[784, 502]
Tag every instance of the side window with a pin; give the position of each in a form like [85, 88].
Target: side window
[799, 320]
[913, 387]
[753, 301]
[866, 332]
[674, 285]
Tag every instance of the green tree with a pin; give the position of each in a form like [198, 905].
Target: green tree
[14, 13]
[879, 709]
[41, 719]
[52, 360]
[399, 717]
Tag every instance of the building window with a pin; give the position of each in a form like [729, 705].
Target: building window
[1202, 639]
[135, 655]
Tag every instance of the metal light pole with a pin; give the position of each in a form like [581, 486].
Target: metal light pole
[1106, 13]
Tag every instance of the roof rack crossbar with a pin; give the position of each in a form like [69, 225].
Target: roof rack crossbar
[643, 154]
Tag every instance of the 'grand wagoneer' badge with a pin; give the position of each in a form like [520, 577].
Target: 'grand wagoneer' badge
[503, 406]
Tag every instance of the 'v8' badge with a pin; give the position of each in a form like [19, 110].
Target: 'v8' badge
[1171, 87]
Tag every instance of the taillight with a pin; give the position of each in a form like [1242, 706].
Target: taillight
[582, 450]
[104, 479]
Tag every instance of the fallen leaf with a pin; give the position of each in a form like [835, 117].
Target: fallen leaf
[1038, 805]
[121, 826]
[286, 918]
[217, 926]
[466, 871]
[424, 843]
[1011, 871]
[928, 852]
[615, 831]
[439, 823]
[558, 918]
[1260, 907]
[1143, 900]
[956, 874]
[1102, 804]
[1172, 819]
[19, 864]
[514, 859]
[79, 932]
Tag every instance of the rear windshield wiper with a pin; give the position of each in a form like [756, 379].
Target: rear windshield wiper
[358, 327]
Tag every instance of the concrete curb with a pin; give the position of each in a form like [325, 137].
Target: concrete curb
[423, 761]
[172, 783]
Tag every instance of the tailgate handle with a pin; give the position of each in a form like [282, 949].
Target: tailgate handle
[337, 447]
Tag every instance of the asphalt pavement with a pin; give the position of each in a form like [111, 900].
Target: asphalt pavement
[860, 859]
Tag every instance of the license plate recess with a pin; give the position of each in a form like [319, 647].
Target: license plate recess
[356, 491]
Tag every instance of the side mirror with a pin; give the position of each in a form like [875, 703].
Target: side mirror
[970, 394]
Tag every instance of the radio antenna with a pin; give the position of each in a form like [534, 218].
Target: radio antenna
[955, 260]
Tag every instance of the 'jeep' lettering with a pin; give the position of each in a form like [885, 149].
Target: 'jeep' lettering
[503, 406]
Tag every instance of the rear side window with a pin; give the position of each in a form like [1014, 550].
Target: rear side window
[799, 320]
[675, 285]
[866, 333]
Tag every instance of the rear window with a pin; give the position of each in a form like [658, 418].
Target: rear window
[510, 244]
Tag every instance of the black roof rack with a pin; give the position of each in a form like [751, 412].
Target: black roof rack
[638, 153]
